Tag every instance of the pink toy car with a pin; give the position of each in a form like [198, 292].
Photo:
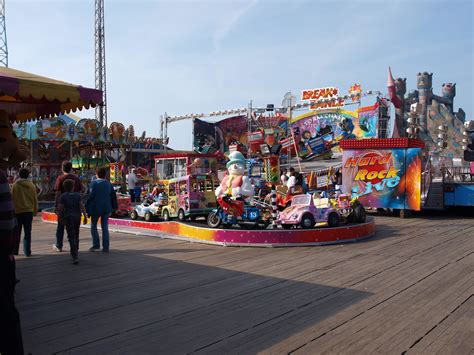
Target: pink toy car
[305, 214]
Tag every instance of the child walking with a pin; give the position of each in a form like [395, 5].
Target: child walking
[70, 210]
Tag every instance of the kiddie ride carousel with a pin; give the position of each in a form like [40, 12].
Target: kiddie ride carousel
[304, 210]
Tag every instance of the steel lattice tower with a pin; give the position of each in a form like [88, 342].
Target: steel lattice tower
[3, 36]
[100, 82]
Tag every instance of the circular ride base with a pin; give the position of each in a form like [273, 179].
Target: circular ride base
[241, 237]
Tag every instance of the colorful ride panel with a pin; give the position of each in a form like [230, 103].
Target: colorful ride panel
[239, 237]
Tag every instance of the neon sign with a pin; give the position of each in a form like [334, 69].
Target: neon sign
[323, 98]
[355, 92]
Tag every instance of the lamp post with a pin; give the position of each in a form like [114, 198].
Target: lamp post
[442, 137]
[467, 141]
[413, 121]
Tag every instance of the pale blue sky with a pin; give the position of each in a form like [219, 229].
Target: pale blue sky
[199, 56]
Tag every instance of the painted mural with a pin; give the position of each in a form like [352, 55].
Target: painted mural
[210, 137]
[318, 133]
[383, 178]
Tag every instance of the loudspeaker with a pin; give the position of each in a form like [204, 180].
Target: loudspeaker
[275, 150]
[469, 155]
[264, 149]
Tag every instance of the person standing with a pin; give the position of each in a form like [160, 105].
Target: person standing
[10, 329]
[25, 202]
[70, 210]
[99, 205]
[59, 188]
[132, 181]
[338, 180]
[291, 183]
[284, 177]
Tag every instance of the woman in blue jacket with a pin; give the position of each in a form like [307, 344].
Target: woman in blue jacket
[99, 205]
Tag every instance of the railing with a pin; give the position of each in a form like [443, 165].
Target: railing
[457, 175]
[323, 175]
[426, 177]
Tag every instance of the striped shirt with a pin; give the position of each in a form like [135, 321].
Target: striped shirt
[8, 225]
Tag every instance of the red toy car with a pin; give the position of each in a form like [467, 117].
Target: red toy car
[124, 204]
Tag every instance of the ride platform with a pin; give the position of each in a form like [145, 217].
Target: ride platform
[200, 233]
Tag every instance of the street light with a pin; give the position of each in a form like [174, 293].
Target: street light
[467, 141]
[412, 120]
[442, 136]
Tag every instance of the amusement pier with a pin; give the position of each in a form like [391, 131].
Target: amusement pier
[329, 210]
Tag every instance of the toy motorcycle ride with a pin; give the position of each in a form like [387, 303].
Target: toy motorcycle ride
[350, 209]
[231, 212]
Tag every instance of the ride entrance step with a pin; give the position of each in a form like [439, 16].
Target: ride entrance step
[435, 197]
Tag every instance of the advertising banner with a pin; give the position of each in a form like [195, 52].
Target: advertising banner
[331, 126]
[365, 125]
[325, 126]
[212, 136]
[383, 178]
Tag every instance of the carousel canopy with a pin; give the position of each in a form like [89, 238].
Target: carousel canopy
[26, 96]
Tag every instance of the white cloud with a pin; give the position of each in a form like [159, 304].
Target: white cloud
[226, 24]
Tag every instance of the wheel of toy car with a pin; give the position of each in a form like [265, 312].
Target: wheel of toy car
[134, 215]
[148, 217]
[192, 218]
[214, 220]
[287, 226]
[350, 218]
[359, 214]
[333, 219]
[307, 221]
[166, 215]
[181, 215]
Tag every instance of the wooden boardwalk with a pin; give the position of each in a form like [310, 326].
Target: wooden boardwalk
[408, 290]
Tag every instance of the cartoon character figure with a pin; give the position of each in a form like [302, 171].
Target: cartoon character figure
[304, 147]
[236, 183]
[90, 129]
[347, 126]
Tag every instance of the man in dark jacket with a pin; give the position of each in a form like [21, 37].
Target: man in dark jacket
[99, 205]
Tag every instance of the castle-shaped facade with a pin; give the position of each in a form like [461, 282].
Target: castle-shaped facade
[436, 110]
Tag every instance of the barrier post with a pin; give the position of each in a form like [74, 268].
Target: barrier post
[274, 207]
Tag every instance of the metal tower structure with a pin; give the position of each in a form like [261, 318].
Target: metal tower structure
[3, 36]
[100, 81]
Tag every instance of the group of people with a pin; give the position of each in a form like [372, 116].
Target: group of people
[293, 180]
[69, 207]
[18, 206]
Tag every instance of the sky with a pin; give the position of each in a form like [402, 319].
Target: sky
[183, 57]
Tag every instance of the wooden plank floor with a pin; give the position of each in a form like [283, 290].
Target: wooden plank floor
[408, 290]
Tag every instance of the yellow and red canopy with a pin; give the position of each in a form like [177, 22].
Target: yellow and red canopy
[26, 96]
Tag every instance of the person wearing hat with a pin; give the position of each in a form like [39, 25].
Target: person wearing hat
[236, 184]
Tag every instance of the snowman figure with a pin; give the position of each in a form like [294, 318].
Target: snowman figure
[236, 183]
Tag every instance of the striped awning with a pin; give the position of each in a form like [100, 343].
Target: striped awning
[26, 96]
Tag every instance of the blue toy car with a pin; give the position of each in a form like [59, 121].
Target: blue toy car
[149, 209]
[234, 212]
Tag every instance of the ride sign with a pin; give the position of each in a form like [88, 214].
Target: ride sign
[383, 178]
[323, 98]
